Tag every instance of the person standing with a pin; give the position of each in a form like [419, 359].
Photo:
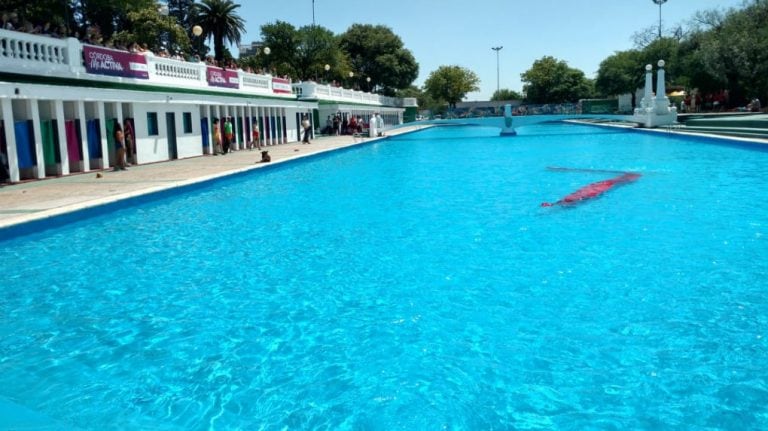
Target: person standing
[306, 125]
[119, 147]
[130, 149]
[375, 126]
[217, 145]
[255, 136]
[228, 134]
[336, 125]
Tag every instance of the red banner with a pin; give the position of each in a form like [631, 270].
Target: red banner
[218, 77]
[281, 85]
[104, 61]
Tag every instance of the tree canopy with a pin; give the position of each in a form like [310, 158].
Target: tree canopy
[375, 51]
[220, 21]
[451, 83]
[550, 80]
[506, 94]
[718, 51]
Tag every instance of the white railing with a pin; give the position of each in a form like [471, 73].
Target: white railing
[312, 90]
[175, 69]
[258, 82]
[42, 55]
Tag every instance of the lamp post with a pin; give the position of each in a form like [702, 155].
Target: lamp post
[351, 75]
[266, 52]
[368, 80]
[327, 67]
[313, 13]
[497, 49]
[197, 31]
[163, 10]
[659, 2]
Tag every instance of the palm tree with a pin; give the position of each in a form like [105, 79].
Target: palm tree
[219, 21]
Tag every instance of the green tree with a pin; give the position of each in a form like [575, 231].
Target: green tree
[423, 98]
[282, 39]
[552, 81]
[220, 21]
[734, 52]
[378, 53]
[316, 47]
[450, 84]
[620, 73]
[147, 27]
[506, 94]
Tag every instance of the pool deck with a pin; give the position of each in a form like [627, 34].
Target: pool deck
[40, 199]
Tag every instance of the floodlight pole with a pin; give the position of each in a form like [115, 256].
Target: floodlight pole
[497, 49]
[659, 2]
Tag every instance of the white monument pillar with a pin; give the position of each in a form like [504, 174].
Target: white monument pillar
[508, 130]
[655, 111]
[648, 91]
[662, 101]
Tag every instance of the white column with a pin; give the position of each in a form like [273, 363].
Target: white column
[283, 126]
[10, 139]
[208, 117]
[272, 128]
[58, 107]
[647, 93]
[102, 116]
[217, 111]
[260, 119]
[84, 135]
[33, 113]
[662, 101]
[241, 142]
[249, 112]
[267, 128]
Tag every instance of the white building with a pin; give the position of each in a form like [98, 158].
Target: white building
[60, 100]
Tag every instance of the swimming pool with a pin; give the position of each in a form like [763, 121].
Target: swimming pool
[414, 283]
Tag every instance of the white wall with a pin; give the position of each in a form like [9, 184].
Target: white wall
[155, 148]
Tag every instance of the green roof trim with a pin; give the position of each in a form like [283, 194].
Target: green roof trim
[88, 83]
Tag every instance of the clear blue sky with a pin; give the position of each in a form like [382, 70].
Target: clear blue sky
[460, 32]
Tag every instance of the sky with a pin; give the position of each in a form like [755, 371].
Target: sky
[460, 32]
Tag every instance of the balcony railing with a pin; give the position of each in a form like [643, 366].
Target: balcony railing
[310, 90]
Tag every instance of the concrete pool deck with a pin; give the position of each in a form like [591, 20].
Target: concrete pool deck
[41, 199]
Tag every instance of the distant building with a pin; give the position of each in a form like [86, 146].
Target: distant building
[483, 108]
[250, 49]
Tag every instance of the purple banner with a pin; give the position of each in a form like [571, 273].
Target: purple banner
[218, 77]
[103, 61]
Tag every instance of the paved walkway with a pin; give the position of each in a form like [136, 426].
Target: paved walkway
[34, 200]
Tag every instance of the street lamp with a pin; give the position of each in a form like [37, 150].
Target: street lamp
[197, 31]
[164, 11]
[351, 75]
[659, 2]
[266, 52]
[327, 67]
[368, 80]
[497, 49]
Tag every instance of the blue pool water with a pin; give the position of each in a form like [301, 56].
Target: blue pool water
[410, 284]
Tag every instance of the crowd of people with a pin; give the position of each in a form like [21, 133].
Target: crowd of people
[348, 124]
[343, 124]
